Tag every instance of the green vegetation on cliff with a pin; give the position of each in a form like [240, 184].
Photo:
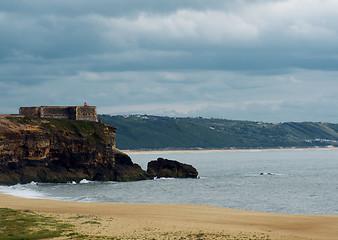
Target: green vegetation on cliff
[92, 131]
[154, 132]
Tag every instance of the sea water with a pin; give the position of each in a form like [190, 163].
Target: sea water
[279, 181]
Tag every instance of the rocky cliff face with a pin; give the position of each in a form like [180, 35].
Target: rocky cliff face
[60, 151]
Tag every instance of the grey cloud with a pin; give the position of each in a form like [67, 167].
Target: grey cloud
[210, 93]
[48, 37]
[241, 59]
[244, 38]
[107, 7]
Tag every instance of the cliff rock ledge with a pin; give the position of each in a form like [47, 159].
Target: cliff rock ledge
[51, 150]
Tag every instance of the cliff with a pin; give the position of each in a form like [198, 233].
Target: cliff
[50, 150]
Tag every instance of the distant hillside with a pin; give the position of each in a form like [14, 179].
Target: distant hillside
[154, 132]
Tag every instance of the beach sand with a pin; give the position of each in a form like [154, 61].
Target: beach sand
[177, 221]
[165, 151]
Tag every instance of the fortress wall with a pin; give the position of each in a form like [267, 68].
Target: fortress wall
[30, 111]
[86, 113]
[58, 112]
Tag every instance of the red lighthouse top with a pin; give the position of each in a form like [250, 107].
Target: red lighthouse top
[85, 104]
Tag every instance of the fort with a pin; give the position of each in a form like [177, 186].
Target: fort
[81, 113]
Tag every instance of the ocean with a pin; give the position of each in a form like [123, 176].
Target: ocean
[277, 181]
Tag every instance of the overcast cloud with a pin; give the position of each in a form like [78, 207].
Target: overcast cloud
[254, 60]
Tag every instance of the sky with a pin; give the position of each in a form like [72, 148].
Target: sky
[261, 60]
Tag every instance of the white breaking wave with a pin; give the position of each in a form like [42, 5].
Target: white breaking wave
[163, 178]
[85, 181]
[22, 190]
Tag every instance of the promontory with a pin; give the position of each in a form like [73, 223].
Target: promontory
[35, 148]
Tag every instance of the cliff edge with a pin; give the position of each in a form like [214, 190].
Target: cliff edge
[51, 150]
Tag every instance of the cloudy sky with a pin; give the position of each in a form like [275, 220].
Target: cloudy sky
[267, 60]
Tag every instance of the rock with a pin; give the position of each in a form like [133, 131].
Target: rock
[170, 168]
[42, 150]
[126, 170]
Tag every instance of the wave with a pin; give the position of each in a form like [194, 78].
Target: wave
[84, 181]
[23, 190]
[163, 178]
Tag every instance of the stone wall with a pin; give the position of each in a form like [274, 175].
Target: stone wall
[58, 112]
[84, 113]
[30, 111]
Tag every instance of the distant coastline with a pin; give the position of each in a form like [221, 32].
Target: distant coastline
[150, 151]
[138, 132]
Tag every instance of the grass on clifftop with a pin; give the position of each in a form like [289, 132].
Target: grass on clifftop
[92, 130]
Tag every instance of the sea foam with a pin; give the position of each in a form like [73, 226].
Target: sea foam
[23, 190]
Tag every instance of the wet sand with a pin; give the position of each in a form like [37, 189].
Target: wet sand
[175, 221]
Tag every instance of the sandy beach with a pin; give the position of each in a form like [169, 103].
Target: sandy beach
[221, 150]
[173, 221]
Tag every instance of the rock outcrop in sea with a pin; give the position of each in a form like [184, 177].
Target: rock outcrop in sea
[171, 168]
[53, 150]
